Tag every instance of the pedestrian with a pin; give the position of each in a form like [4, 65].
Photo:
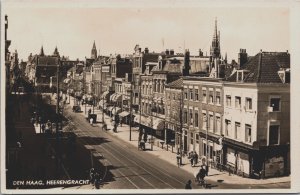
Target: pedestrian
[92, 176]
[178, 159]
[201, 174]
[97, 180]
[188, 185]
[195, 158]
[43, 128]
[192, 158]
[91, 121]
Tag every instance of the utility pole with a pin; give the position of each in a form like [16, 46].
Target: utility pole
[181, 125]
[130, 111]
[57, 113]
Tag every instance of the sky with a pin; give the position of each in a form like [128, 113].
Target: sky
[117, 27]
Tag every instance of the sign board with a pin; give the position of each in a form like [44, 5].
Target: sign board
[105, 68]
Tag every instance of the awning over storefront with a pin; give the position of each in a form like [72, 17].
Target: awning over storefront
[110, 108]
[117, 98]
[112, 96]
[158, 124]
[104, 94]
[144, 120]
[116, 110]
[124, 114]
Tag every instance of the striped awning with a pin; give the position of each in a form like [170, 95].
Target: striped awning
[144, 120]
[104, 94]
[112, 96]
[117, 98]
[158, 124]
[124, 114]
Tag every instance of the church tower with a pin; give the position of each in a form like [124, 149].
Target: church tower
[215, 54]
[42, 52]
[56, 53]
[94, 52]
[215, 50]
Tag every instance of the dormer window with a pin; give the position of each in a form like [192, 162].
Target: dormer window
[241, 74]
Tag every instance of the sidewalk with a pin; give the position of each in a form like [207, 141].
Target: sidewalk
[158, 152]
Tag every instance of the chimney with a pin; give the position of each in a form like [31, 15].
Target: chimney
[200, 53]
[167, 52]
[186, 66]
[146, 50]
[243, 58]
[172, 52]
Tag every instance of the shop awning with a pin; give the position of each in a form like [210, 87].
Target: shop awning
[112, 96]
[117, 98]
[144, 120]
[158, 124]
[104, 94]
[110, 108]
[124, 114]
[116, 110]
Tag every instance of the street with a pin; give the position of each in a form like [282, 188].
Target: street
[125, 167]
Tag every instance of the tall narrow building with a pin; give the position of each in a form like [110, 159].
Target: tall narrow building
[94, 51]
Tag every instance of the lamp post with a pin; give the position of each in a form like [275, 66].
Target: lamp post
[130, 111]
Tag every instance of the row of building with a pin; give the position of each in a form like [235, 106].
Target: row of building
[235, 114]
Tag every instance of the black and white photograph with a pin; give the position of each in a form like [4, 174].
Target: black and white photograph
[144, 96]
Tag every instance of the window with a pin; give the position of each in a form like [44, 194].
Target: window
[191, 117]
[274, 134]
[275, 103]
[196, 119]
[218, 124]
[185, 117]
[197, 138]
[191, 94]
[192, 138]
[227, 127]
[228, 100]
[211, 122]
[248, 133]
[211, 97]
[185, 94]
[174, 96]
[204, 95]
[196, 94]
[237, 130]
[248, 104]
[218, 98]
[204, 120]
[237, 102]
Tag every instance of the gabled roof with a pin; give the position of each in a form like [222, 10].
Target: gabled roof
[176, 84]
[47, 60]
[264, 67]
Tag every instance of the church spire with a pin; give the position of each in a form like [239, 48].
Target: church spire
[56, 53]
[42, 51]
[216, 29]
[94, 51]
